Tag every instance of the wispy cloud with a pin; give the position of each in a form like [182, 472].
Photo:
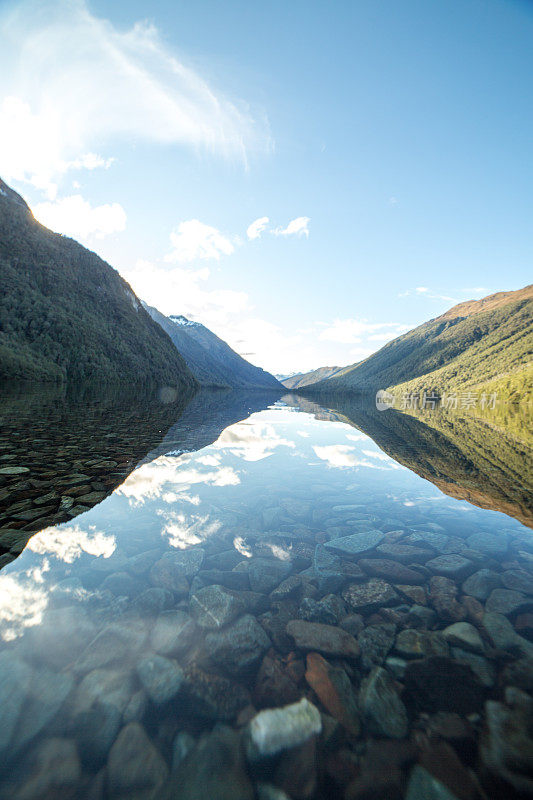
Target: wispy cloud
[296, 227]
[194, 240]
[72, 83]
[459, 296]
[353, 331]
[74, 216]
[257, 227]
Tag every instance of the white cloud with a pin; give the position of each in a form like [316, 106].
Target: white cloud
[70, 81]
[69, 542]
[194, 240]
[257, 227]
[251, 441]
[296, 227]
[337, 455]
[74, 216]
[348, 331]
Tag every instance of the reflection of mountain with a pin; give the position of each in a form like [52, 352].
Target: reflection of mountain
[207, 415]
[483, 462]
[62, 453]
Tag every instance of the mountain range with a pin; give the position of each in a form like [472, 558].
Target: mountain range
[481, 345]
[67, 316]
[212, 361]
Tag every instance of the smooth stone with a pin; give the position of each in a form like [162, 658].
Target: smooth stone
[275, 683]
[152, 601]
[213, 770]
[355, 543]
[503, 635]
[215, 606]
[120, 584]
[54, 772]
[480, 666]
[438, 683]
[506, 747]
[396, 666]
[405, 553]
[492, 544]
[212, 696]
[443, 598]
[274, 730]
[134, 764]
[392, 571]
[518, 579]
[327, 639]
[415, 594]
[109, 686]
[181, 747]
[239, 647]
[451, 566]
[465, 635]
[8, 471]
[424, 786]
[375, 642]
[161, 677]
[265, 575]
[381, 705]
[15, 678]
[519, 673]
[421, 617]
[414, 643]
[507, 602]
[113, 644]
[175, 569]
[136, 708]
[267, 791]
[47, 693]
[334, 690]
[331, 571]
[373, 594]
[174, 633]
[481, 583]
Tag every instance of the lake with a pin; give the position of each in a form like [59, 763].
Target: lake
[173, 570]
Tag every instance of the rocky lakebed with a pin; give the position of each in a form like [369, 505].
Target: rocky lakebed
[280, 628]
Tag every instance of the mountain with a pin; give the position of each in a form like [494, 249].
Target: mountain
[65, 314]
[309, 378]
[486, 461]
[211, 360]
[483, 345]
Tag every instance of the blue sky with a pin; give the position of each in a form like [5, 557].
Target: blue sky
[388, 144]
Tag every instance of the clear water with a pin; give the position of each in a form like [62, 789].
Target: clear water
[271, 485]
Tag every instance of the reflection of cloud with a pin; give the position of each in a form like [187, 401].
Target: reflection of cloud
[184, 530]
[170, 474]
[343, 455]
[252, 441]
[303, 434]
[23, 600]
[68, 543]
[382, 457]
[356, 437]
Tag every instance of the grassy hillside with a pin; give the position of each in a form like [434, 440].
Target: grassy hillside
[211, 360]
[482, 345]
[67, 315]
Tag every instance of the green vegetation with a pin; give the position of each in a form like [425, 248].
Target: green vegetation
[67, 315]
[485, 346]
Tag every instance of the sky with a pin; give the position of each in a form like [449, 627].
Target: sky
[308, 179]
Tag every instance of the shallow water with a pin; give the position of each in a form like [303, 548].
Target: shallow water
[117, 658]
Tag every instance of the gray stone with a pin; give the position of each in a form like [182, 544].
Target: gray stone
[136, 708]
[371, 595]
[265, 575]
[506, 747]
[61, 636]
[518, 579]
[109, 686]
[215, 606]
[15, 677]
[465, 635]
[182, 746]
[381, 705]
[120, 584]
[274, 730]
[424, 786]
[327, 639]
[414, 643]
[451, 566]
[55, 771]
[479, 665]
[396, 666]
[491, 544]
[507, 601]
[331, 571]
[113, 644]
[47, 693]
[152, 601]
[421, 617]
[212, 696]
[134, 764]
[173, 567]
[356, 543]
[375, 641]
[503, 635]
[481, 583]
[161, 677]
[239, 647]
[9, 471]
[174, 633]
[213, 770]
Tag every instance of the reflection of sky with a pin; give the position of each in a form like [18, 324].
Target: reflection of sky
[180, 500]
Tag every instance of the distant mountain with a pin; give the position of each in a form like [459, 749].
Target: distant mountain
[67, 315]
[478, 345]
[211, 360]
[309, 378]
